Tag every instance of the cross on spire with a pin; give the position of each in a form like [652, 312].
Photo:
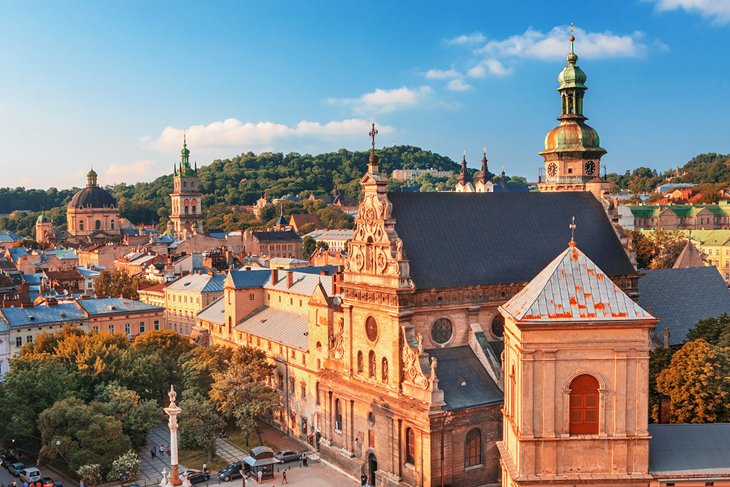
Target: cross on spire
[572, 36]
[372, 135]
[572, 232]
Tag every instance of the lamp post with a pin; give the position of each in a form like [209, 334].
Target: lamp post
[172, 411]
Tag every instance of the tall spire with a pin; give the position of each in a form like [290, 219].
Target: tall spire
[464, 176]
[185, 157]
[373, 163]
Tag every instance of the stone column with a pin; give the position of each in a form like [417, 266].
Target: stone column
[172, 411]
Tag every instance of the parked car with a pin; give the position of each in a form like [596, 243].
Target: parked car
[8, 459]
[47, 482]
[288, 455]
[30, 474]
[232, 471]
[15, 468]
[195, 476]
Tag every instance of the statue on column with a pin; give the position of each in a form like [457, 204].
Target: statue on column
[172, 411]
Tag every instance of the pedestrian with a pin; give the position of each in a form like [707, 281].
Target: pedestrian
[152, 452]
[25, 483]
[259, 476]
[283, 478]
[162, 451]
[305, 459]
[363, 480]
[301, 460]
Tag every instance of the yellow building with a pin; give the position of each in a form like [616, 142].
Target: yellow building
[185, 297]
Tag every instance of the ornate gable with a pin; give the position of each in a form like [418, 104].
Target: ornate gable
[375, 253]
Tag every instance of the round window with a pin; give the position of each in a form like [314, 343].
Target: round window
[441, 331]
[498, 326]
[371, 329]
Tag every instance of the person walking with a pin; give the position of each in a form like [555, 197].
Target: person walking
[259, 476]
[205, 467]
[305, 459]
[162, 451]
[283, 478]
[363, 480]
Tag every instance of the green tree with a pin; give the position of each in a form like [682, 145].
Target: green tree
[309, 245]
[668, 246]
[198, 366]
[659, 359]
[697, 383]
[200, 424]
[138, 417]
[118, 283]
[242, 391]
[124, 468]
[90, 474]
[715, 331]
[169, 346]
[82, 434]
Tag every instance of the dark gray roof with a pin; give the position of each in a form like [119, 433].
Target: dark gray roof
[682, 297]
[92, 197]
[461, 239]
[254, 278]
[464, 379]
[684, 450]
[277, 236]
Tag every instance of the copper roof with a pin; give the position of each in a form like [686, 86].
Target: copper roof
[572, 288]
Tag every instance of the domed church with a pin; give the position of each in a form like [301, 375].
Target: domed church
[92, 211]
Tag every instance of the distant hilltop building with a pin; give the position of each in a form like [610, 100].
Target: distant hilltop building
[404, 174]
[186, 217]
[92, 212]
[483, 183]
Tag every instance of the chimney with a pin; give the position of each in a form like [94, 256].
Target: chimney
[324, 273]
[289, 279]
[666, 337]
[248, 267]
[274, 276]
[335, 282]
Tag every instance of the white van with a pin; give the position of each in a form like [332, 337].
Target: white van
[31, 474]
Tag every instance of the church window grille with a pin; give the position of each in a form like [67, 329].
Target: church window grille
[442, 331]
[410, 446]
[473, 453]
[584, 405]
[360, 363]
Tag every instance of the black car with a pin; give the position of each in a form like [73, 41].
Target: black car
[232, 471]
[8, 459]
[195, 476]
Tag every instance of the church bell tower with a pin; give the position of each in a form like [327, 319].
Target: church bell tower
[572, 149]
[187, 212]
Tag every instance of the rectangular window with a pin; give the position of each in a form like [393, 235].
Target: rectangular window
[18, 341]
[157, 324]
[141, 326]
[304, 390]
[29, 339]
[127, 329]
[95, 328]
[111, 328]
[251, 297]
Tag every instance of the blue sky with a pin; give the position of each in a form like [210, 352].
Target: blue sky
[114, 84]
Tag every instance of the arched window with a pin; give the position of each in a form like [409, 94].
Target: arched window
[193, 209]
[410, 446]
[498, 326]
[187, 210]
[371, 364]
[112, 224]
[473, 448]
[384, 369]
[360, 363]
[584, 405]
[338, 415]
[97, 224]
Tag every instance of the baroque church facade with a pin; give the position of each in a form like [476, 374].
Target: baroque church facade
[186, 215]
[92, 212]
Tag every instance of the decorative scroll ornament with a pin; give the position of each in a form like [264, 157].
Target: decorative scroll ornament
[412, 370]
[337, 347]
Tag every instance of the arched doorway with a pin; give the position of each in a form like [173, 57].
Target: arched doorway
[372, 468]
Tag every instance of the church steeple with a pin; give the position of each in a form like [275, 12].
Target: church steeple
[572, 149]
[464, 176]
[91, 179]
[185, 158]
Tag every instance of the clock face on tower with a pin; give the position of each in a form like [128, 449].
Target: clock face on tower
[552, 169]
[590, 167]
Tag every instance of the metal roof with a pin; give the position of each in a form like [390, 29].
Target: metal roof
[106, 306]
[279, 326]
[689, 450]
[43, 315]
[343, 234]
[303, 283]
[277, 236]
[462, 239]
[198, 283]
[464, 380]
[252, 278]
[572, 288]
[214, 312]
[682, 297]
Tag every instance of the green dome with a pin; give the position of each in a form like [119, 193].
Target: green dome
[42, 218]
[572, 76]
[572, 136]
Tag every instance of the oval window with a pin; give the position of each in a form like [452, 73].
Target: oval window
[442, 330]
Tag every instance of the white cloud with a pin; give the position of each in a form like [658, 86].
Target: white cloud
[490, 66]
[442, 74]
[717, 10]
[385, 101]
[143, 170]
[458, 84]
[473, 38]
[233, 133]
[533, 44]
